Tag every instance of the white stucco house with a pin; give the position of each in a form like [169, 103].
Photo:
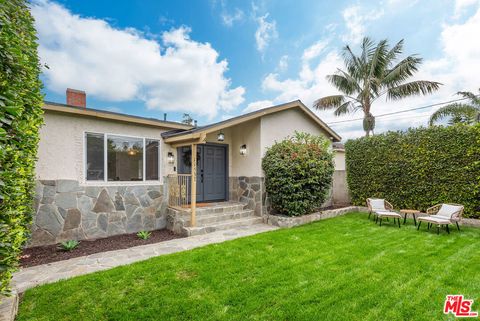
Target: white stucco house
[101, 173]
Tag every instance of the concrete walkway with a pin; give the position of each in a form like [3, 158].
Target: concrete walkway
[48, 273]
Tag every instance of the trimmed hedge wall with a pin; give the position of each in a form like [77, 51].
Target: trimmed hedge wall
[417, 168]
[20, 119]
[298, 173]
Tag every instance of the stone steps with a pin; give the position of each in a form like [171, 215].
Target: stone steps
[214, 209]
[225, 225]
[206, 219]
[217, 216]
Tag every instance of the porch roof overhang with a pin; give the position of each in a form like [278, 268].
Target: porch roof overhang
[198, 135]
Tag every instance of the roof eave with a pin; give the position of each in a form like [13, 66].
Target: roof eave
[107, 115]
[185, 136]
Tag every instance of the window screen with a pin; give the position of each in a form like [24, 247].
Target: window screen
[95, 157]
[151, 159]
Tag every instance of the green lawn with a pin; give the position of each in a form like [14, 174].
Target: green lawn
[345, 268]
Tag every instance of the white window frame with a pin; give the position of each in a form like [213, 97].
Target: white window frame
[105, 180]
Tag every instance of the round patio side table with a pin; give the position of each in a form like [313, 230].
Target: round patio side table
[412, 212]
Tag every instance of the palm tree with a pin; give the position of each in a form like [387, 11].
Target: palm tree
[460, 112]
[369, 76]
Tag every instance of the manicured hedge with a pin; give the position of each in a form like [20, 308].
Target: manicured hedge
[20, 119]
[298, 173]
[417, 168]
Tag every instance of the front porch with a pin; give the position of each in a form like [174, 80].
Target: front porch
[223, 161]
[210, 218]
[203, 197]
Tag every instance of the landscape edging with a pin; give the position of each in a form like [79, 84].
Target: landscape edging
[291, 221]
[288, 221]
[8, 307]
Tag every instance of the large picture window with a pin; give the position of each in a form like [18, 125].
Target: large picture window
[121, 158]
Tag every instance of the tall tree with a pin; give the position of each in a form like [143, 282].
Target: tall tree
[376, 72]
[187, 119]
[467, 113]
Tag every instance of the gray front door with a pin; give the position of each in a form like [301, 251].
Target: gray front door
[211, 170]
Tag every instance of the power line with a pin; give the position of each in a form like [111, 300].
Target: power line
[401, 111]
[398, 118]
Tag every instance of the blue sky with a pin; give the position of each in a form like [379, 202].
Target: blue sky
[217, 59]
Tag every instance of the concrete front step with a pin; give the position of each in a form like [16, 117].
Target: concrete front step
[207, 219]
[227, 207]
[234, 223]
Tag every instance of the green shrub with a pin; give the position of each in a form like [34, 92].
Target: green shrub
[417, 168]
[144, 235]
[298, 173]
[69, 245]
[20, 119]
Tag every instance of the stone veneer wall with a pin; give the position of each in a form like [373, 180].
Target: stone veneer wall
[249, 190]
[66, 210]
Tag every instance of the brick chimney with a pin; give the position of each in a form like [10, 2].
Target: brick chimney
[76, 98]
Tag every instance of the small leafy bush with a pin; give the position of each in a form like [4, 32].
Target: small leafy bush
[417, 168]
[20, 119]
[144, 235]
[298, 173]
[69, 245]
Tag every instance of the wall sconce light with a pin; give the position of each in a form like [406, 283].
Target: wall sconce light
[170, 158]
[221, 137]
[243, 150]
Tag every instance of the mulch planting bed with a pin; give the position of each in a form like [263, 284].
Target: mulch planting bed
[52, 253]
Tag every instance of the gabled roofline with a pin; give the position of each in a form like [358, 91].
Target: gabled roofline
[109, 115]
[197, 133]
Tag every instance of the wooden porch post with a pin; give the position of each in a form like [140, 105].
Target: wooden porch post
[193, 186]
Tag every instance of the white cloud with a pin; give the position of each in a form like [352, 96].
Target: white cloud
[309, 84]
[461, 5]
[256, 105]
[176, 74]
[457, 68]
[402, 3]
[265, 33]
[314, 50]
[356, 19]
[283, 63]
[229, 19]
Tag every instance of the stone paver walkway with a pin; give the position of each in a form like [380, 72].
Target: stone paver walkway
[48, 273]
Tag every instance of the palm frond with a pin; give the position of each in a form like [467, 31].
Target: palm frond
[467, 94]
[402, 71]
[474, 98]
[329, 102]
[418, 87]
[367, 50]
[460, 112]
[378, 59]
[344, 82]
[363, 68]
[344, 108]
[352, 62]
[395, 51]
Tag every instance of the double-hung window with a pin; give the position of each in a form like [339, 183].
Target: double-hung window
[121, 158]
